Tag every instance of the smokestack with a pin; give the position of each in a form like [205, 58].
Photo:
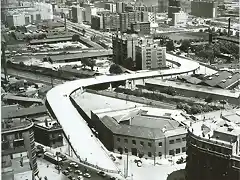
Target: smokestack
[229, 23]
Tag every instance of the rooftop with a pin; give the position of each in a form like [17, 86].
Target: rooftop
[15, 124]
[141, 122]
[23, 112]
[22, 98]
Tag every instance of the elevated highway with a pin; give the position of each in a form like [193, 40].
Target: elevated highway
[82, 141]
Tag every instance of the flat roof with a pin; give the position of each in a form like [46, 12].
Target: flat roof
[13, 124]
[23, 112]
[42, 41]
[77, 56]
[192, 87]
[22, 98]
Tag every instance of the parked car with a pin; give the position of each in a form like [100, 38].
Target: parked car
[73, 164]
[80, 178]
[72, 178]
[87, 175]
[112, 178]
[181, 160]
[69, 169]
[65, 172]
[78, 172]
[101, 173]
[57, 167]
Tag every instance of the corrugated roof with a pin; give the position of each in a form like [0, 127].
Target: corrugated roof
[24, 112]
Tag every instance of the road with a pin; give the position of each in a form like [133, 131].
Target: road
[35, 77]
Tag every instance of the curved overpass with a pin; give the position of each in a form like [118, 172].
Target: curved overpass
[81, 139]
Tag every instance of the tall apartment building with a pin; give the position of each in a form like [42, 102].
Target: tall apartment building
[204, 9]
[18, 149]
[141, 27]
[150, 56]
[111, 7]
[124, 47]
[162, 6]
[179, 19]
[97, 22]
[213, 149]
[120, 7]
[77, 14]
[89, 11]
[172, 10]
[126, 19]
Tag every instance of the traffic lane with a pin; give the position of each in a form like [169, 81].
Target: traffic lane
[94, 175]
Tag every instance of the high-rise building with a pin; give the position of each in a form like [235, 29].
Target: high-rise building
[172, 10]
[162, 6]
[18, 149]
[150, 56]
[179, 19]
[204, 9]
[141, 27]
[124, 47]
[89, 11]
[97, 22]
[175, 3]
[120, 7]
[213, 149]
[77, 14]
[111, 7]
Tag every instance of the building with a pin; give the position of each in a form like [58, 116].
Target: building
[28, 15]
[48, 133]
[18, 149]
[123, 47]
[111, 7]
[205, 9]
[97, 22]
[120, 7]
[77, 14]
[141, 27]
[143, 132]
[151, 17]
[162, 6]
[172, 10]
[175, 3]
[126, 19]
[150, 56]
[89, 11]
[179, 19]
[213, 150]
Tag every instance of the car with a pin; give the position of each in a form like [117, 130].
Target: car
[72, 178]
[78, 172]
[181, 160]
[80, 178]
[65, 172]
[87, 175]
[101, 173]
[112, 178]
[69, 169]
[73, 164]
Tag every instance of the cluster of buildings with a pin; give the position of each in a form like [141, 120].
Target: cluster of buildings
[27, 14]
[145, 53]
[141, 131]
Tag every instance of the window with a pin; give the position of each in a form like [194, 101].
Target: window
[134, 142]
[149, 154]
[160, 144]
[160, 154]
[118, 139]
[178, 140]
[126, 140]
[177, 150]
[171, 142]
[184, 139]
[184, 149]
[150, 144]
[171, 152]
[142, 143]
[126, 150]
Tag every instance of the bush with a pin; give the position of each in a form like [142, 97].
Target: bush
[115, 69]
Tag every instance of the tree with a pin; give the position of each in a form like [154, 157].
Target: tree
[208, 99]
[12, 28]
[170, 46]
[75, 37]
[115, 69]
[88, 62]
[185, 45]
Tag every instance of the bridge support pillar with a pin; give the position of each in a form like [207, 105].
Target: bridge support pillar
[110, 86]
